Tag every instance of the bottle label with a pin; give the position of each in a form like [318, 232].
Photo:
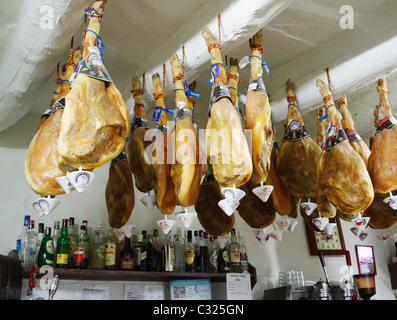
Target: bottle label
[50, 247]
[189, 257]
[78, 256]
[214, 259]
[110, 254]
[62, 258]
[235, 256]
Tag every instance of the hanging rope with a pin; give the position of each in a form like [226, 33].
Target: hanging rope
[219, 30]
[58, 79]
[70, 61]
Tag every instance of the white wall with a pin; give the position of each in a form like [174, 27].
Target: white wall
[292, 252]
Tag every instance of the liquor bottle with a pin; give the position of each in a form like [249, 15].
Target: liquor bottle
[30, 249]
[197, 250]
[243, 253]
[111, 248]
[153, 263]
[140, 255]
[179, 249]
[74, 239]
[168, 253]
[144, 237]
[97, 251]
[46, 250]
[55, 235]
[223, 258]
[87, 239]
[80, 253]
[204, 253]
[234, 253]
[63, 247]
[40, 233]
[157, 245]
[22, 237]
[213, 255]
[190, 261]
[126, 261]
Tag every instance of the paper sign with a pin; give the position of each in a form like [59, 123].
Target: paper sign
[238, 286]
[195, 289]
[143, 292]
[85, 292]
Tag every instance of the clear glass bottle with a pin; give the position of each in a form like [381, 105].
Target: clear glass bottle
[179, 249]
[126, 261]
[74, 239]
[243, 253]
[63, 247]
[213, 255]
[97, 251]
[234, 253]
[55, 235]
[168, 254]
[21, 239]
[30, 250]
[111, 251]
[80, 253]
[190, 261]
[46, 250]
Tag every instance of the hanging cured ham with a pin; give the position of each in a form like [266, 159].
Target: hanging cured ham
[324, 206]
[95, 122]
[41, 160]
[298, 154]
[258, 114]
[381, 216]
[119, 192]
[341, 172]
[139, 143]
[163, 186]
[382, 162]
[211, 217]
[348, 125]
[230, 158]
[186, 170]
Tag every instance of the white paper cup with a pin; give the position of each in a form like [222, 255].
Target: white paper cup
[37, 208]
[329, 227]
[125, 231]
[284, 223]
[292, 226]
[228, 207]
[80, 179]
[277, 234]
[320, 223]
[394, 237]
[263, 192]
[149, 201]
[263, 238]
[308, 207]
[391, 202]
[48, 204]
[222, 242]
[187, 218]
[361, 223]
[383, 237]
[165, 225]
[232, 195]
[65, 184]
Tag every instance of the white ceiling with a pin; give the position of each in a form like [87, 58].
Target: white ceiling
[300, 37]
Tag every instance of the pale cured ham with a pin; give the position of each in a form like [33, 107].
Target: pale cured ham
[41, 160]
[348, 125]
[119, 192]
[161, 160]
[139, 143]
[95, 122]
[382, 162]
[324, 206]
[230, 158]
[341, 172]
[186, 170]
[258, 114]
[298, 154]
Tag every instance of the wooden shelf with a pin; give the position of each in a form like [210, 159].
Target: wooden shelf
[120, 275]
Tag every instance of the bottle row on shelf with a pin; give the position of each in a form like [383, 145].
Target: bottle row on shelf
[195, 251]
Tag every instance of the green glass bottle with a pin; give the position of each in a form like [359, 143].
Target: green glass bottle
[63, 247]
[46, 251]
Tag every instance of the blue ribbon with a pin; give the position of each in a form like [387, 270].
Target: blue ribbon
[99, 43]
[190, 92]
[264, 64]
[326, 114]
[157, 112]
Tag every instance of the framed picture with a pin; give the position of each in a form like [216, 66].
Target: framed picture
[365, 259]
[333, 244]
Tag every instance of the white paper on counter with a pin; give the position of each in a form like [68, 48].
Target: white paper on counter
[238, 286]
[143, 292]
[85, 292]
